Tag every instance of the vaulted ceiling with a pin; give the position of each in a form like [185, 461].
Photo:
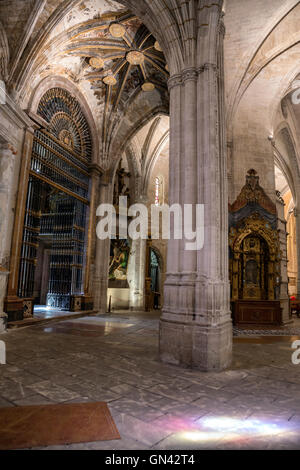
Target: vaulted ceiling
[98, 45]
[111, 58]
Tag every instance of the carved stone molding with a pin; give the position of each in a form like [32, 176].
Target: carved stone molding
[279, 198]
[96, 169]
[174, 81]
[222, 29]
[190, 74]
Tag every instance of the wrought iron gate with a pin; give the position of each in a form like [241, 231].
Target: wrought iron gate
[57, 204]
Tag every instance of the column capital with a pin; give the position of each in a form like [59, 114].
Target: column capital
[174, 81]
[106, 178]
[96, 169]
[189, 74]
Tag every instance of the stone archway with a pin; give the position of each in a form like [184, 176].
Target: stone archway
[68, 110]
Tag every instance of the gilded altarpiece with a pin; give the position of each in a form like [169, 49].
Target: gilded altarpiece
[254, 256]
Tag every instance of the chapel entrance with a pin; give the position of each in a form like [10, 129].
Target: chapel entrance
[53, 255]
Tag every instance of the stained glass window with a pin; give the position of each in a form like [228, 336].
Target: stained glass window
[157, 191]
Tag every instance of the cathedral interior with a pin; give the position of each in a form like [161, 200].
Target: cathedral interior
[162, 102]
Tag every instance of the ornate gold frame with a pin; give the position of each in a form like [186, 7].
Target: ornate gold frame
[255, 225]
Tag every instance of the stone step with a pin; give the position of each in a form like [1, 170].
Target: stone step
[34, 321]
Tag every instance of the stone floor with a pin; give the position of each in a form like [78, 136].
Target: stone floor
[43, 315]
[43, 312]
[253, 405]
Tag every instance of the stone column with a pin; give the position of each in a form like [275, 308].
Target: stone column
[87, 301]
[283, 286]
[16, 130]
[7, 165]
[196, 327]
[136, 274]
[136, 267]
[3, 285]
[100, 281]
[7, 192]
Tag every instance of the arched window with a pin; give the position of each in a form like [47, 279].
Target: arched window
[158, 191]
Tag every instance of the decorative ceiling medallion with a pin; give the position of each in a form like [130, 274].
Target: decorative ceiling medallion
[108, 17]
[157, 46]
[148, 86]
[96, 62]
[117, 30]
[135, 58]
[109, 80]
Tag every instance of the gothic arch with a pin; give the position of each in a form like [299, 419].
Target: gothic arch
[290, 168]
[4, 53]
[237, 91]
[153, 159]
[54, 191]
[159, 257]
[61, 82]
[119, 143]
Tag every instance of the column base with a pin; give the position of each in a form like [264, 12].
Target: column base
[100, 295]
[3, 322]
[87, 303]
[81, 303]
[14, 307]
[207, 348]
[285, 308]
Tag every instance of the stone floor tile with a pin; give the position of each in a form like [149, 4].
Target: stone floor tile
[53, 392]
[254, 404]
[136, 409]
[146, 433]
[5, 403]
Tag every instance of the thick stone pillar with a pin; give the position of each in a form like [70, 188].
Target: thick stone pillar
[100, 281]
[137, 268]
[7, 165]
[196, 327]
[88, 301]
[3, 284]
[15, 148]
[136, 274]
[282, 283]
